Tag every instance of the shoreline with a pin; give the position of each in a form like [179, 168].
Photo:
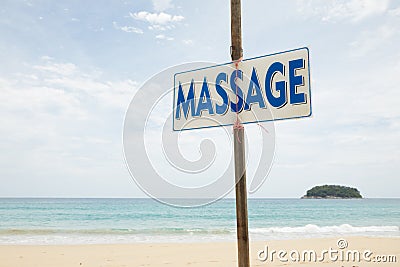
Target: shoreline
[192, 254]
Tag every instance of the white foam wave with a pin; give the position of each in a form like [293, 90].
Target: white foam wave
[339, 229]
[190, 235]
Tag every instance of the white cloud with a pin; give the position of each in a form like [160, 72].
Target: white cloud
[354, 10]
[161, 5]
[57, 68]
[161, 28]
[129, 29]
[46, 58]
[156, 18]
[163, 37]
[395, 12]
[187, 42]
[63, 86]
[372, 39]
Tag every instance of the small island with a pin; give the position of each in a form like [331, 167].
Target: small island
[332, 192]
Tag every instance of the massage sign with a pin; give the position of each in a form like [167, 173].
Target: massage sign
[266, 88]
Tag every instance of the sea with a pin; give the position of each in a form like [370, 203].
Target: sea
[101, 221]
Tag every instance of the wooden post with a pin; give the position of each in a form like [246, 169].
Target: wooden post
[239, 150]
[236, 30]
[241, 199]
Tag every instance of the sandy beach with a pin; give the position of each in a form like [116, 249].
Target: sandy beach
[201, 254]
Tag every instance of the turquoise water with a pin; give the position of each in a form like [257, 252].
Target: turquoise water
[69, 221]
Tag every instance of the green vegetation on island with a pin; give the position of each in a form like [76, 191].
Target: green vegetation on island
[332, 191]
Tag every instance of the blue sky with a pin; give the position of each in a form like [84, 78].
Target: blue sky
[70, 68]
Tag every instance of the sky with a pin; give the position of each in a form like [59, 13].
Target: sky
[69, 70]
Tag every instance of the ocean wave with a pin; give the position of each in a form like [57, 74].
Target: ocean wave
[315, 229]
[309, 228]
[122, 235]
[114, 231]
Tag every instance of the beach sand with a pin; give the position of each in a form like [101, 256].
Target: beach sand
[190, 254]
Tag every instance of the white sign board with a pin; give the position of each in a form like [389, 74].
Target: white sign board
[266, 88]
